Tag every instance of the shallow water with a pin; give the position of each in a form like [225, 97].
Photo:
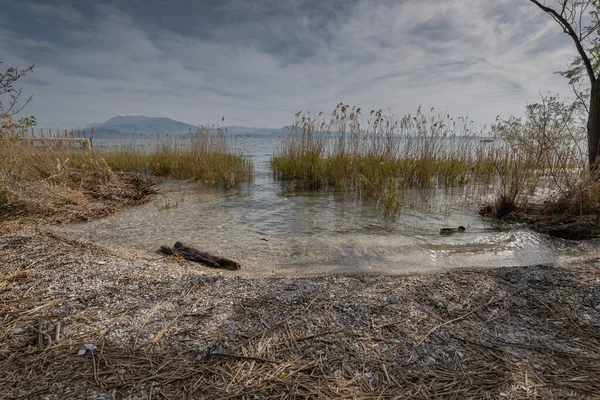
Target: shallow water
[273, 230]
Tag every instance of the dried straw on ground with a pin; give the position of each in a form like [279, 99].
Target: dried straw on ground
[168, 329]
[56, 185]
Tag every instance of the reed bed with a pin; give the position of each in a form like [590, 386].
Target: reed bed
[206, 157]
[514, 163]
[384, 157]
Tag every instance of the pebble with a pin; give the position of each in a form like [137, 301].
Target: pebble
[453, 307]
[16, 331]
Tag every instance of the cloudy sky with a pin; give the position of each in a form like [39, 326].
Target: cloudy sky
[258, 62]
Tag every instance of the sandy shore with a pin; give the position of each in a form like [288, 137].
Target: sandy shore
[165, 328]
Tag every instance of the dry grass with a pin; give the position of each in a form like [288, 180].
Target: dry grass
[518, 333]
[207, 158]
[62, 185]
[573, 215]
[551, 187]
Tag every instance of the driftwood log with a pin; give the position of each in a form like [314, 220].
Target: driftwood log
[203, 257]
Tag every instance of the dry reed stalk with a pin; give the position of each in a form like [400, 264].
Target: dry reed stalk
[530, 331]
[385, 157]
[62, 185]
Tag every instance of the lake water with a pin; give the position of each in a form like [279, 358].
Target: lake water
[274, 230]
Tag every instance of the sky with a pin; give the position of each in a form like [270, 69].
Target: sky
[258, 62]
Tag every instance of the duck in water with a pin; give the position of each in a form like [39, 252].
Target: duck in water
[450, 231]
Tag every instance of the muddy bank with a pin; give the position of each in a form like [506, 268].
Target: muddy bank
[564, 226]
[170, 329]
[574, 215]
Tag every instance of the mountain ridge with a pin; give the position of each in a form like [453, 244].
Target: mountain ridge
[134, 125]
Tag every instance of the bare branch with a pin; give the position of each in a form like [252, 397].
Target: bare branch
[582, 100]
[7, 81]
[568, 28]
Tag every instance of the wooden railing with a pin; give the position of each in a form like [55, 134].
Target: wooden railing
[77, 143]
[74, 139]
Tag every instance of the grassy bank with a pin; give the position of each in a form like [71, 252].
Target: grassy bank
[207, 157]
[60, 184]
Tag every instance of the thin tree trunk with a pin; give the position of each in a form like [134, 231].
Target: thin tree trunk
[593, 126]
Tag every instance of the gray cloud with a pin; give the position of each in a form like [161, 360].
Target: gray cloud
[258, 62]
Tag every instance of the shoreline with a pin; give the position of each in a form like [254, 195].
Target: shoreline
[174, 328]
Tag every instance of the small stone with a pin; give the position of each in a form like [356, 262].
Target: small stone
[85, 348]
[16, 331]
[453, 307]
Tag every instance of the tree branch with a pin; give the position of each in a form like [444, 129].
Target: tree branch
[571, 32]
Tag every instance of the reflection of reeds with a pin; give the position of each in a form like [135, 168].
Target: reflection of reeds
[206, 157]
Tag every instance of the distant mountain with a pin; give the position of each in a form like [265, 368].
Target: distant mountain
[130, 125]
[137, 125]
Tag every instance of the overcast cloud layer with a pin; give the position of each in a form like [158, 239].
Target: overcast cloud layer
[259, 62]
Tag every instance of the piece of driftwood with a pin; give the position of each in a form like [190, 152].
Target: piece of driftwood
[450, 231]
[203, 257]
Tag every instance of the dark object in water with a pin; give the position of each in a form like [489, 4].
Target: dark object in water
[203, 257]
[450, 231]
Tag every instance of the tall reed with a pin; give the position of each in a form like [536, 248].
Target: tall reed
[206, 157]
[385, 156]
